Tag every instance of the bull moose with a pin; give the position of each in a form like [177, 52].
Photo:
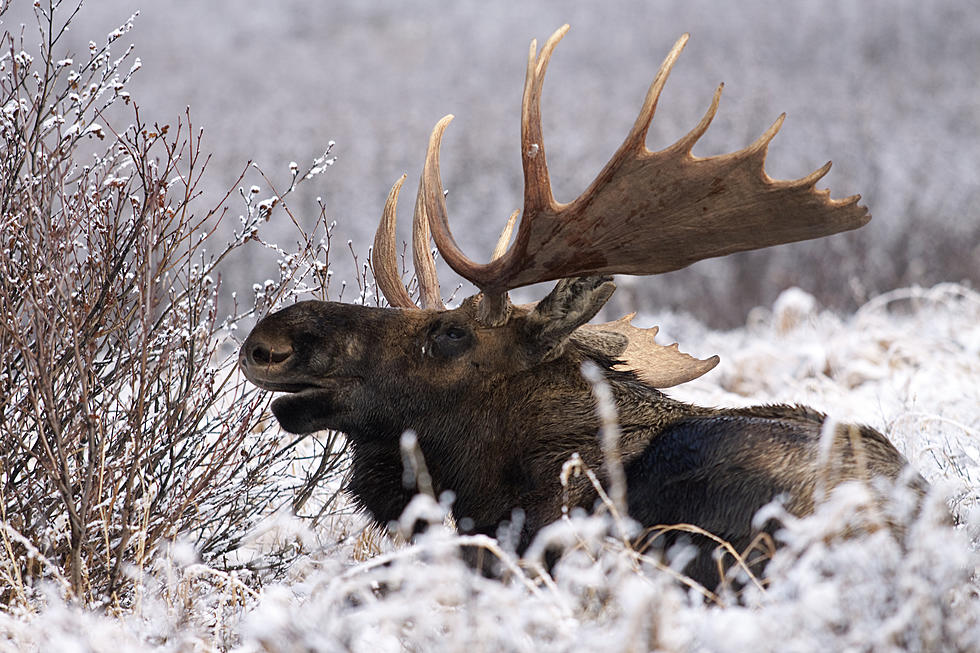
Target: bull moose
[495, 391]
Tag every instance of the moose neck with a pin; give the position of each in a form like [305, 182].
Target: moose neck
[499, 451]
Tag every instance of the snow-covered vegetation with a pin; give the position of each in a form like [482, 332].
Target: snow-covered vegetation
[906, 363]
[150, 503]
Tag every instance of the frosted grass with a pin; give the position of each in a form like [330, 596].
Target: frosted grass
[906, 363]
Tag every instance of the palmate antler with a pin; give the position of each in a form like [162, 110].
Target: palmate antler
[646, 212]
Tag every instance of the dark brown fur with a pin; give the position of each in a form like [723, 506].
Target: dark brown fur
[498, 410]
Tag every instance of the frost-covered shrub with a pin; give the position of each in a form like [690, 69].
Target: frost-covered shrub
[123, 420]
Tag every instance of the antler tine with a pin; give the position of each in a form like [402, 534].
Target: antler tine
[425, 264]
[537, 185]
[537, 182]
[493, 307]
[384, 259]
[504, 240]
[435, 204]
[686, 144]
[636, 140]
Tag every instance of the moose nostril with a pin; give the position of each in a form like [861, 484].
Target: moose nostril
[267, 356]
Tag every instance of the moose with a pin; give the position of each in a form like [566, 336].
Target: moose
[495, 391]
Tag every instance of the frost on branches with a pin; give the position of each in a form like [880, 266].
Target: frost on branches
[123, 421]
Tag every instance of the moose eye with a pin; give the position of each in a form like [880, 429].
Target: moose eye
[451, 341]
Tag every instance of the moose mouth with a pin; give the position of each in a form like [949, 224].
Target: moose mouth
[291, 388]
[305, 408]
[302, 387]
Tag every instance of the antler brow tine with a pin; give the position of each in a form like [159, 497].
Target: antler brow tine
[384, 259]
[425, 264]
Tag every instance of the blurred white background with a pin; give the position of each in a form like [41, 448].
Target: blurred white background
[885, 88]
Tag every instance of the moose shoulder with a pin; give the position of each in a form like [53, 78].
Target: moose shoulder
[495, 392]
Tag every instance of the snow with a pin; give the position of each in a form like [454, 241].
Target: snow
[906, 363]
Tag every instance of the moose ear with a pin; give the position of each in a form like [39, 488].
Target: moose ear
[572, 303]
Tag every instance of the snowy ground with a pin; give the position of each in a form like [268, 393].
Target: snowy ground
[907, 363]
